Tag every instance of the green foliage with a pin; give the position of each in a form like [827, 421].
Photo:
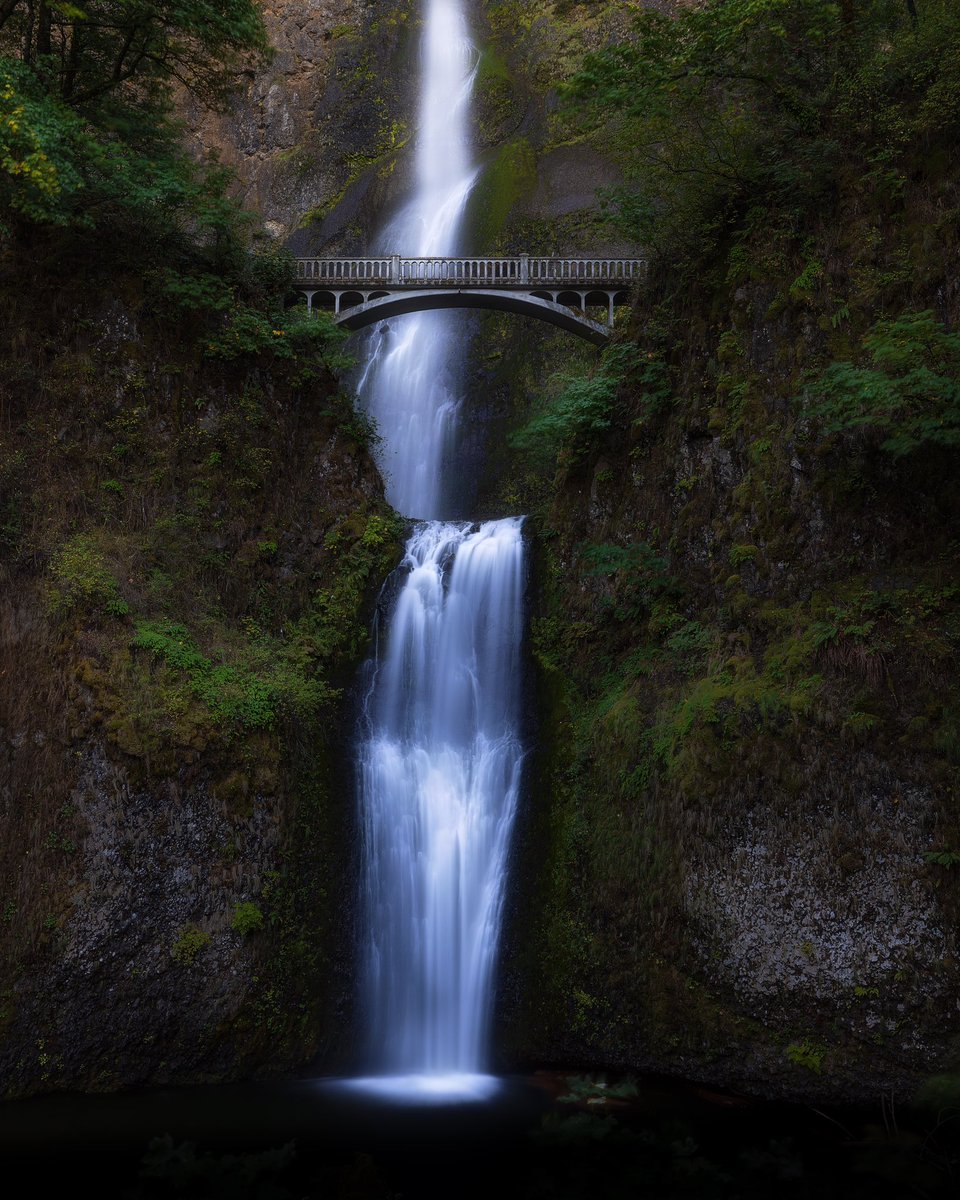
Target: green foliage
[558, 1132]
[194, 293]
[639, 574]
[190, 941]
[81, 577]
[312, 339]
[575, 419]
[120, 166]
[38, 141]
[581, 412]
[379, 531]
[179, 1168]
[250, 695]
[247, 919]
[689, 644]
[99, 56]
[728, 111]
[805, 1054]
[940, 1094]
[741, 554]
[595, 1089]
[650, 386]
[942, 858]
[909, 395]
[254, 681]
[88, 141]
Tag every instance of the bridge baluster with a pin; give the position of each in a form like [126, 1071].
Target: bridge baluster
[523, 271]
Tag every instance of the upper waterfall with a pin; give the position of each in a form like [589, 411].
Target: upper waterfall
[410, 383]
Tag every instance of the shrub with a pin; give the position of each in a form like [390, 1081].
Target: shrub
[582, 411]
[191, 940]
[250, 695]
[639, 575]
[311, 339]
[81, 576]
[805, 1054]
[942, 858]
[908, 395]
[247, 918]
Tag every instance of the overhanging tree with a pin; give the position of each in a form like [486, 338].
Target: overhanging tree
[85, 102]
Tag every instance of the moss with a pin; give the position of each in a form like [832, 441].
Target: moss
[495, 98]
[507, 178]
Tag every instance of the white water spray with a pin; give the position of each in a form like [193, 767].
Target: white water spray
[410, 384]
[440, 753]
[440, 772]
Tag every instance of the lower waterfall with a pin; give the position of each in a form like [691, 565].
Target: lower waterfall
[440, 762]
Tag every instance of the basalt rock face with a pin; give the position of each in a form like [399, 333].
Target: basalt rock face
[736, 858]
[320, 137]
[314, 135]
[742, 819]
[189, 559]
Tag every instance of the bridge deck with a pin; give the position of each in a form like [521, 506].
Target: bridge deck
[524, 272]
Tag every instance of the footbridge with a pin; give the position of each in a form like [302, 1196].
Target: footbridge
[560, 291]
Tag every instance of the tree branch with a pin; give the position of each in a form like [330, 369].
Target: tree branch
[7, 9]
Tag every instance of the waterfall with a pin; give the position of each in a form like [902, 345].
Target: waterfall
[440, 770]
[439, 753]
[410, 384]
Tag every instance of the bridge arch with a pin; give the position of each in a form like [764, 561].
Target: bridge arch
[561, 291]
[361, 316]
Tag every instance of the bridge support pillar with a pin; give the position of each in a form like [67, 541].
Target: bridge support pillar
[336, 301]
[610, 301]
[310, 296]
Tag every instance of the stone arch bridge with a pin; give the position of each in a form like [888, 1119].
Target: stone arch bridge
[363, 291]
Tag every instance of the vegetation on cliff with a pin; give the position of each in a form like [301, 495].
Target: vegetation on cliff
[191, 535]
[749, 628]
[86, 134]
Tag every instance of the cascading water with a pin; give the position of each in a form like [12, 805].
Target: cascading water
[440, 770]
[409, 384]
[440, 753]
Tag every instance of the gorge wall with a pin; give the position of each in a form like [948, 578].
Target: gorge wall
[736, 859]
[191, 549]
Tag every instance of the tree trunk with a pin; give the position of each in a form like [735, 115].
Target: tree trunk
[43, 30]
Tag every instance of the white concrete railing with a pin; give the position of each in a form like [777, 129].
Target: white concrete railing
[523, 271]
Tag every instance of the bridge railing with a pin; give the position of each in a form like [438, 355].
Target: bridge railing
[522, 271]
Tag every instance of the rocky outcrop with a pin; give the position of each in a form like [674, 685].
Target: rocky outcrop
[190, 555]
[314, 134]
[742, 829]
